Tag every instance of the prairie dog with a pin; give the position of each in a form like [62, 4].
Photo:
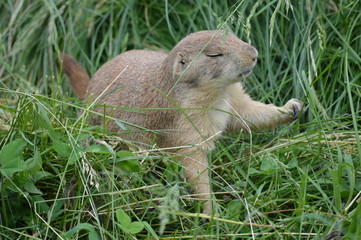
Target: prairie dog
[187, 97]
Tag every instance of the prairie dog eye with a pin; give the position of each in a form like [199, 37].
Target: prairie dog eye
[215, 54]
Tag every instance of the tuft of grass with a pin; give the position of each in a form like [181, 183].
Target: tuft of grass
[59, 180]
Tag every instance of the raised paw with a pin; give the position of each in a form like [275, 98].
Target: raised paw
[293, 108]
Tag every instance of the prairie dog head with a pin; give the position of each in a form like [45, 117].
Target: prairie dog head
[212, 58]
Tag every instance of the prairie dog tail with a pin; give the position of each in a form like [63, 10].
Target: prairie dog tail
[79, 78]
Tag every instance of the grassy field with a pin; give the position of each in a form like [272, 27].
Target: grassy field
[62, 178]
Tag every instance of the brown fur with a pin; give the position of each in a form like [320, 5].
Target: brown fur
[77, 75]
[197, 94]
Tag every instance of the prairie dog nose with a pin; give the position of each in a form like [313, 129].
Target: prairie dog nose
[251, 51]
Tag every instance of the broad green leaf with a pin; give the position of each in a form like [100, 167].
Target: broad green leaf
[40, 175]
[13, 166]
[10, 161]
[235, 205]
[74, 156]
[135, 227]
[45, 122]
[97, 149]
[125, 154]
[82, 226]
[127, 161]
[34, 164]
[124, 229]
[253, 171]
[292, 163]
[30, 187]
[130, 165]
[268, 165]
[12, 150]
[57, 209]
[123, 218]
[63, 149]
[336, 184]
[39, 203]
[354, 230]
[351, 176]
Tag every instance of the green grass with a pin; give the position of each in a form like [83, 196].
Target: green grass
[301, 181]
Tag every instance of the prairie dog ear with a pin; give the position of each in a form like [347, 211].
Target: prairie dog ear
[180, 63]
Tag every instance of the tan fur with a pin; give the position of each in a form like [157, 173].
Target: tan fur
[197, 94]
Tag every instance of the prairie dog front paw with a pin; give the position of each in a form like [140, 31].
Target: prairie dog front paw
[293, 108]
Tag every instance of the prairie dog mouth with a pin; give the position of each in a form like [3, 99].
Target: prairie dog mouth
[245, 72]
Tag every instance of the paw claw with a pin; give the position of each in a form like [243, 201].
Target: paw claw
[294, 107]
